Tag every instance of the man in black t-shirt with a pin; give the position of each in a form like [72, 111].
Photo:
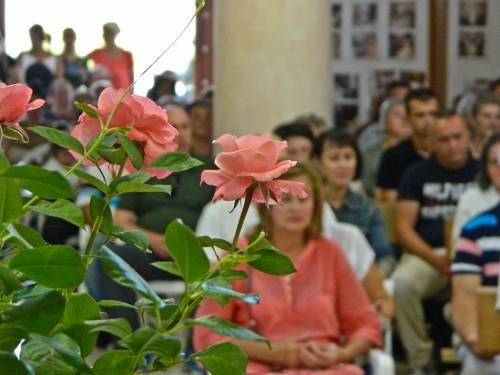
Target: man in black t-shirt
[427, 195]
[421, 106]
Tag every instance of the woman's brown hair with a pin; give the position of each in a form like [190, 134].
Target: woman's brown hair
[315, 227]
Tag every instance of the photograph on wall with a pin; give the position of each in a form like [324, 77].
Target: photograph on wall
[346, 116]
[364, 14]
[364, 45]
[402, 46]
[473, 12]
[471, 44]
[346, 86]
[380, 79]
[337, 16]
[402, 14]
[336, 40]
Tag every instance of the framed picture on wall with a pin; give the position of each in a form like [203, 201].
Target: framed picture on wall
[402, 14]
[473, 12]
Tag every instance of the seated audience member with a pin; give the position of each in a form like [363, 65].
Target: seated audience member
[341, 164]
[421, 108]
[427, 195]
[476, 263]
[316, 123]
[200, 113]
[318, 318]
[164, 84]
[59, 111]
[373, 133]
[151, 213]
[486, 193]
[299, 137]
[395, 129]
[484, 123]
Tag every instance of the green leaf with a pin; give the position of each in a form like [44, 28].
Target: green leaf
[206, 241]
[61, 209]
[223, 359]
[120, 271]
[118, 327]
[41, 182]
[59, 138]
[273, 262]
[79, 308]
[169, 267]
[234, 274]
[115, 362]
[11, 365]
[31, 291]
[10, 196]
[176, 162]
[10, 337]
[225, 327]
[37, 315]
[132, 151]
[219, 287]
[147, 341]
[91, 112]
[260, 243]
[26, 237]
[8, 281]
[46, 360]
[112, 303]
[186, 251]
[134, 187]
[113, 155]
[98, 208]
[132, 237]
[94, 181]
[67, 349]
[137, 177]
[57, 266]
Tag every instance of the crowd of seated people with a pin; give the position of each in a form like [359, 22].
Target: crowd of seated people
[356, 268]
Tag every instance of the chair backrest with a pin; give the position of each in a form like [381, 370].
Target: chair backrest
[488, 319]
[388, 211]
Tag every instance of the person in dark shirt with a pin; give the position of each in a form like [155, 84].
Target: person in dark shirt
[427, 195]
[476, 263]
[421, 107]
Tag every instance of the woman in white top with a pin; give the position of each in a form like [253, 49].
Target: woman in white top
[486, 193]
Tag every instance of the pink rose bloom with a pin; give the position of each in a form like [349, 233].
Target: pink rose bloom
[148, 125]
[14, 104]
[247, 160]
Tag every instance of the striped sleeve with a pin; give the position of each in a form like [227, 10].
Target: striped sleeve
[467, 257]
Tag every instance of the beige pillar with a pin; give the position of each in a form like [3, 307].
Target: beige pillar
[272, 63]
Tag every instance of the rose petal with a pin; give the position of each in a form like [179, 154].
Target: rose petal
[227, 142]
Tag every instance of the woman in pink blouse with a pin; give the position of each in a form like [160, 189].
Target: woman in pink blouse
[317, 319]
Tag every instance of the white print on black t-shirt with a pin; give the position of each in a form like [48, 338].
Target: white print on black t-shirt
[445, 191]
[441, 198]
